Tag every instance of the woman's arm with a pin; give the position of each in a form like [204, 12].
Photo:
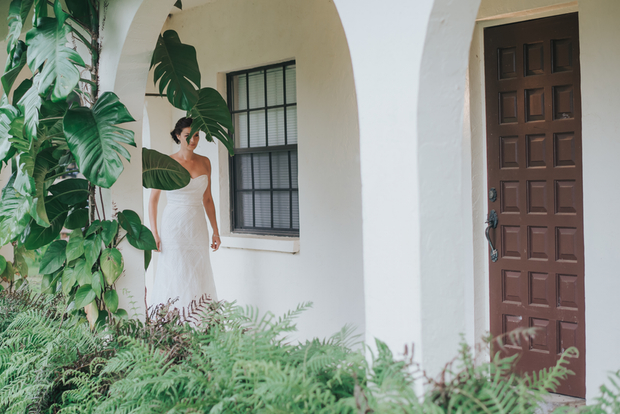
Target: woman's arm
[153, 202]
[207, 201]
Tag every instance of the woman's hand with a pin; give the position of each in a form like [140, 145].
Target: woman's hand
[215, 242]
[157, 242]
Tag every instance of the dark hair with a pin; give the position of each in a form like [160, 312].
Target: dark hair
[179, 127]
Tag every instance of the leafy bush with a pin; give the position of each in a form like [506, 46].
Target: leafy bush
[221, 358]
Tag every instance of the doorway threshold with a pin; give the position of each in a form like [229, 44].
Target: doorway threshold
[555, 401]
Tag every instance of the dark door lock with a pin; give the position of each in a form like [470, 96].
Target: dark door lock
[492, 223]
[492, 194]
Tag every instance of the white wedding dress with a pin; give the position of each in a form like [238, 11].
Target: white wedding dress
[184, 268]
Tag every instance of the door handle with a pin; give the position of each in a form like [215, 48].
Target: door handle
[492, 223]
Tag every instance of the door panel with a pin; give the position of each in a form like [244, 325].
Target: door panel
[534, 163]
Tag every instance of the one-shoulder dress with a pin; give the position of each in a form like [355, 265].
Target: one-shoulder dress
[184, 267]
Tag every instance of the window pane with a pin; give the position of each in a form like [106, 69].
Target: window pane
[257, 129]
[241, 130]
[291, 125]
[281, 210]
[243, 173]
[261, 171]
[295, 210]
[279, 169]
[275, 87]
[262, 204]
[275, 126]
[257, 89]
[291, 84]
[294, 168]
[239, 92]
[243, 208]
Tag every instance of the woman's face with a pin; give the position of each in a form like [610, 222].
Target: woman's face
[193, 143]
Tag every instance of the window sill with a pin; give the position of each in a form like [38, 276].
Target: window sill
[263, 243]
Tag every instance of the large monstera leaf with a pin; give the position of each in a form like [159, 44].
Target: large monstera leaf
[14, 65]
[176, 69]
[48, 52]
[18, 11]
[211, 115]
[162, 172]
[95, 141]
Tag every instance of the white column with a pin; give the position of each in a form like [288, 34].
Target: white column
[385, 40]
[129, 36]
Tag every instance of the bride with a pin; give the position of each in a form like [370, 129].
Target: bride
[184, 268]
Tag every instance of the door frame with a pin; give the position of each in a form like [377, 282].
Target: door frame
[474, 119]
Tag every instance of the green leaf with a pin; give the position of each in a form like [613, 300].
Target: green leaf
[44, 164]
[9, 272]
[162, 172]
[2, 264]
[81, 10]
[14, 213]
[21, 90]
[97, 283]
[83, 273]
[50, 282]
[18, 11]
[146, 241]
[110, 298]
[92, 249]
[210, 114]
[110, 229]
[84, 296]
[19, 261]
[14, 65]
[75, 248]
[94, 227]
[8, 113]
[69, 277]
[47, 48]
[95, 141]
[122, 314]
[111, 265]
[54, 257]
[130, 221]
[148, 254]
[38, 236]
[29, 105]
[176, 69]
[24, 183]
[70, 191]
[77, 219]
[178, 4]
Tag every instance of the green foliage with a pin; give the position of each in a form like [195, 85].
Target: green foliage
[176, 70]
[162, 172]
[95, 140]
[221, 358]
[49, 54]
[210, 115]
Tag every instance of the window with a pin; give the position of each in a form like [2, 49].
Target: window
[264, 192]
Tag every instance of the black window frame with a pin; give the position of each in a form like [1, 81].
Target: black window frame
[272, 231]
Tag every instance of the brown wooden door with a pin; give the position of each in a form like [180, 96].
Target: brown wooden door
[533, 106]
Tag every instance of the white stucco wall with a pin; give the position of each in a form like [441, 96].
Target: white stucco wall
[600, 94]
[232, 35]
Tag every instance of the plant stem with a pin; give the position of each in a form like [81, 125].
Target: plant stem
[82, 38]
[102, 207]
[62, 173]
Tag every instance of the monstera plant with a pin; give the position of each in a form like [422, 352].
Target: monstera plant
[58, 126]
